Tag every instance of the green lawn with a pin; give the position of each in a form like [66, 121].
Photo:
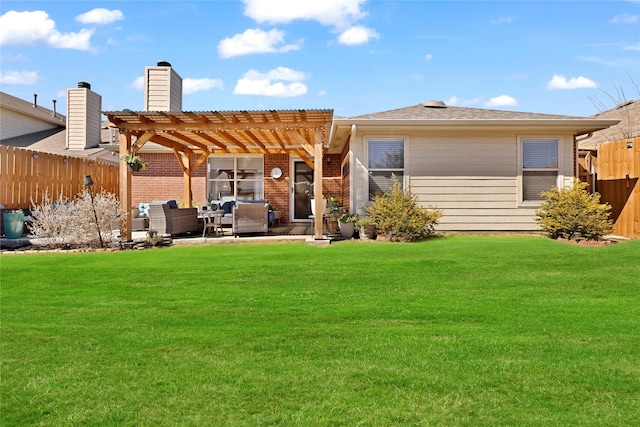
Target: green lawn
[462, 330]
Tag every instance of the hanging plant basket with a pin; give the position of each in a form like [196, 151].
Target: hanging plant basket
[134, 167]
[134, 163]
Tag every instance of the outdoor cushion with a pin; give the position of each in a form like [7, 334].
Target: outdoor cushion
[144, 210]
[173, 204]
[227, 207]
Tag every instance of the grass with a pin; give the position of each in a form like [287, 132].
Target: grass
[463, 330]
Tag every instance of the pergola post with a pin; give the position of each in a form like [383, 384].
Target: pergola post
[317, 190]
[125, 187]
[186, 190]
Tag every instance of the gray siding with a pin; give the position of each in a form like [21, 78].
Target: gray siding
[13, 123]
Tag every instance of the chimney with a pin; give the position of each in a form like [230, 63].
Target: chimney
[84, 117]
[162, 88]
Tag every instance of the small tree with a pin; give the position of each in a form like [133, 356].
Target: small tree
[398, 214]
[574, 213]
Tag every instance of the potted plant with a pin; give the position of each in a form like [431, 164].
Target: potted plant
[135, 162]
[366, 227]
[347, 224]
[13, 222]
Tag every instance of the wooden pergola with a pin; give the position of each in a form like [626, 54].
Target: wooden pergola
[304, 133]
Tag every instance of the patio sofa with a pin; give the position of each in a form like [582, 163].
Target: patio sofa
[168, 218]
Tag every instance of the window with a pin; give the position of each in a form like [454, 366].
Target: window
[236, 178]
[386, 157]
[539, 166]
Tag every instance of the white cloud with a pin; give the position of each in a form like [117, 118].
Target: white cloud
[137, 84]
[624, 18]
[100, 16]
[33, 28]
[255, 41]
[280, 73]
[339, 14]
[19, 77]
[267, 84]
[503, 20]
[14, 57]
[190, 85]
[357, 35]
[561, 82]
[428, 57]
[461, 102]
[502, 101]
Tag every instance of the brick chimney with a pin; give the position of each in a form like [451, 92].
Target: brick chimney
[162, 88]
[84, 115]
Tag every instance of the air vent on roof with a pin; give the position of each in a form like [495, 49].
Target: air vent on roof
[84, 85]
[163, 64]
[434, 103]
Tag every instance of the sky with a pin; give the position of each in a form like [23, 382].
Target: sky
[352, 56]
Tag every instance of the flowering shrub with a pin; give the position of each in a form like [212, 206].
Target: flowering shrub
[399, 216]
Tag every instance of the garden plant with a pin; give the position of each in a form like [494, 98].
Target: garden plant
[574, 213]
[399, 216]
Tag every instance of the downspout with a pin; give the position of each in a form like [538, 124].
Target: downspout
[352, 171]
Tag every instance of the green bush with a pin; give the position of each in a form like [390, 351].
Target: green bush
[399, 216]
[573, 213]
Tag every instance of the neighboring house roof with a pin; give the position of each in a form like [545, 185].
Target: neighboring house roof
[54, 142]
[628, 113]
[435, 114]
[32, 110]
[51, 133]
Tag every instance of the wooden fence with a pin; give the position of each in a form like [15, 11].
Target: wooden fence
[618, 173]
[26, 175]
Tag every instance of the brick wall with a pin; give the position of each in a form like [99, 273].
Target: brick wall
[164, 180]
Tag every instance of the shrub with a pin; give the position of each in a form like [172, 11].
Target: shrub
[573, 213]
[399, 216]
[65, 223]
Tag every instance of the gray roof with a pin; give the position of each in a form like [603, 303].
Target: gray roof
[422, 112]
[629, 127]
[54, 141]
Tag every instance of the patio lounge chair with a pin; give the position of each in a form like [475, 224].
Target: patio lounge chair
[250, 218]
[172, 220]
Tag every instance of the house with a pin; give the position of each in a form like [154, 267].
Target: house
[484, 168]
[44, 152]
[610, 163]
[81, 133]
